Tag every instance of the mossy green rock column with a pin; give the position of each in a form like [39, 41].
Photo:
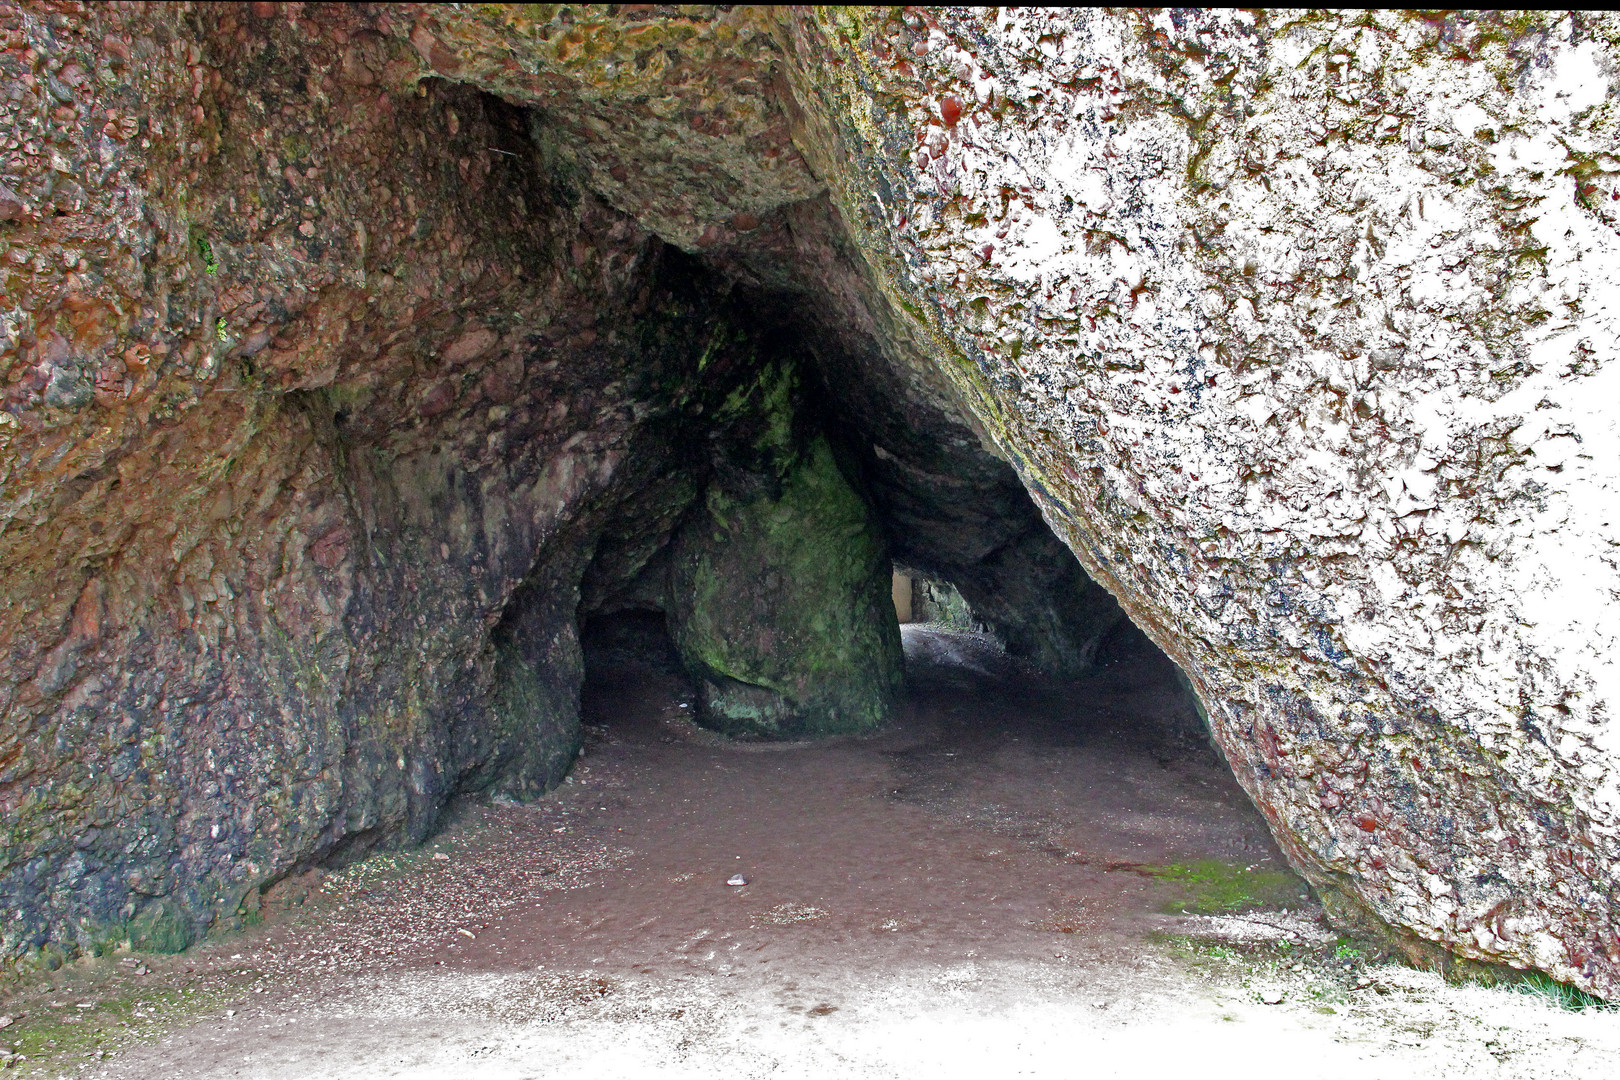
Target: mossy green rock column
[782, 610]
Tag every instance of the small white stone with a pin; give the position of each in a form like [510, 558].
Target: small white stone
[736, 879]
[1271, 997]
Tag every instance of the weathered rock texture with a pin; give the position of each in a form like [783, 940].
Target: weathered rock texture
[345, 366]
[779, 606]
[940, 602]
[1300, 334]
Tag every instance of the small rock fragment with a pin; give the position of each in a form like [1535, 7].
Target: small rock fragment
[439, 856]
[11, 204]
[466, 933]
[736, 879]
[1271, 997]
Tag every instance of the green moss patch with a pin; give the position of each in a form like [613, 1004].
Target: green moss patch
[1212, 887]
[785, 617]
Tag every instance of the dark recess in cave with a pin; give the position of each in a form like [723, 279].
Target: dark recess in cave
[788, 458]
[939, 503]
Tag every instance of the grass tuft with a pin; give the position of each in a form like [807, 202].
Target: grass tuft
[1561, 995]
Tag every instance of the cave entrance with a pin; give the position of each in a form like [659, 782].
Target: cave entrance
[1000, 817]
[1035, 777]
[831, 651]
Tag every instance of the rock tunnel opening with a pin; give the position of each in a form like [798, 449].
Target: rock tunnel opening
[767, 528]
[734, 620]
[371, 372]
[419, 499]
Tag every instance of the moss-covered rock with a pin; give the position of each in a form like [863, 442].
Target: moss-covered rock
[782, 609]
[940, 602]
[162, 927]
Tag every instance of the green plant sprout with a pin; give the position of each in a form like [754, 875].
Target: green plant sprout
[205, 251]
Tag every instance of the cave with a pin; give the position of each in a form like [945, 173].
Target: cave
[377, 380]
[767, 540]
[713, 457]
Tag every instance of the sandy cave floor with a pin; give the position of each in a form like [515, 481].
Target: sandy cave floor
[1015, 880]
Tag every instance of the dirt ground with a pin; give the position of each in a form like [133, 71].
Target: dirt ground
[1015, 880]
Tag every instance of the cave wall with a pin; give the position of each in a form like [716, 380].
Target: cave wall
[1296, 326]
[320, 383]
[1293, 329]
[941, 602]
[310, 382]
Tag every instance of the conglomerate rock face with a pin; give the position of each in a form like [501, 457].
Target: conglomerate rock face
[352, 354]
[311, 383]
[1301, 334]
[333, 397]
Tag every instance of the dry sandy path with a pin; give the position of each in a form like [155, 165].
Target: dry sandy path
[978, 892]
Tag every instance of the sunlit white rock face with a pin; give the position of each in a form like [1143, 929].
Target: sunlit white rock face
[1303, 333]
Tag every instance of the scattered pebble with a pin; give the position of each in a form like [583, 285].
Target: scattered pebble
[787, 914]
[439, 856]
[1271, 997]
[736, 879]
[466, 933]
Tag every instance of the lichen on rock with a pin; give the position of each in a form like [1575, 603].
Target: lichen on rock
[1280, 318]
